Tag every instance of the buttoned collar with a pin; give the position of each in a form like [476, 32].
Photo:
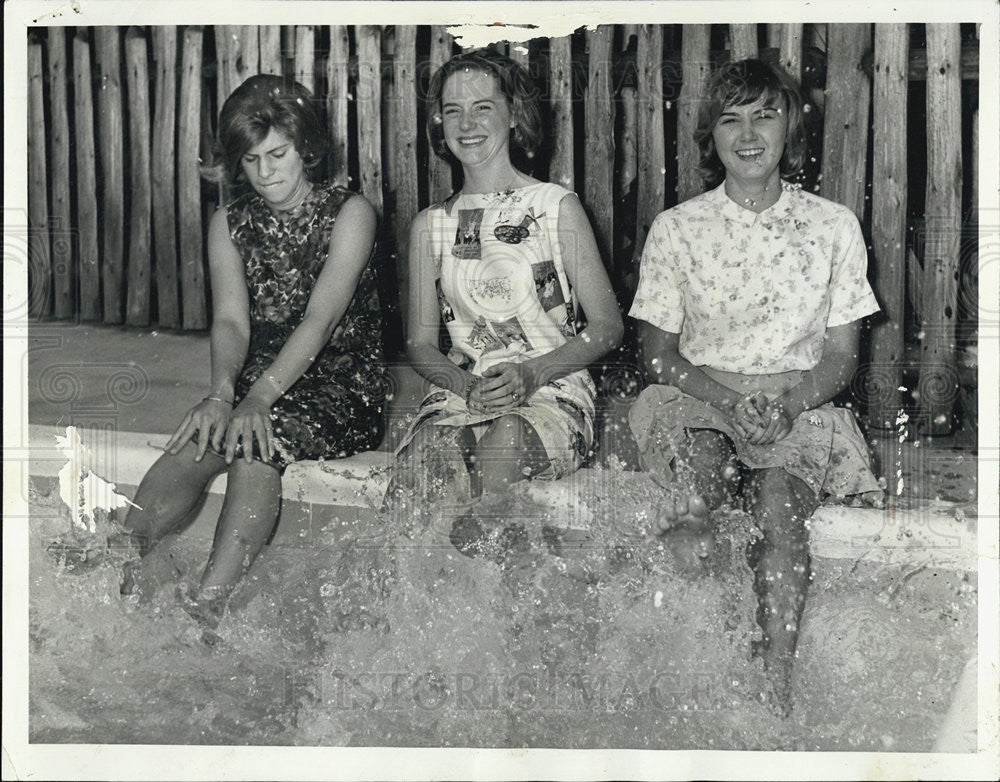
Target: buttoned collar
[733, 211]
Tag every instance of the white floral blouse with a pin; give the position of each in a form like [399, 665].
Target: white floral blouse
[753, 293]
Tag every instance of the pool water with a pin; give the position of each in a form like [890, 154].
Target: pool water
[380, 633]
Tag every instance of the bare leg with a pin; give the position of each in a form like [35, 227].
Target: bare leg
[509, 452]
[249, 512]
[703, 476]
[168, 493]
[428, 467]
[780, 504]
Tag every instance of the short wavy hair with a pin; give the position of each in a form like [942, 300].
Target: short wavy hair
[738, 84]
[260, 104]
[515, 85]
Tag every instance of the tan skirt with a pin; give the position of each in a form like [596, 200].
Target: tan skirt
[825, 448]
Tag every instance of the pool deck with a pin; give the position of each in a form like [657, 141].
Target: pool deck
[125, 391]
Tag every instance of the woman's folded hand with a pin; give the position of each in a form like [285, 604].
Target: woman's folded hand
[208, 419]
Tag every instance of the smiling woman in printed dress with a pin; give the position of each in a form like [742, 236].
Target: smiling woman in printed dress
[750, 302]
[504, 263]
[297, 368]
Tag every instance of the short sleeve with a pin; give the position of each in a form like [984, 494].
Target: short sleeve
[851, 296]
[658, 298]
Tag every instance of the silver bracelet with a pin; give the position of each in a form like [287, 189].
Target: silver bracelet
[218, 399]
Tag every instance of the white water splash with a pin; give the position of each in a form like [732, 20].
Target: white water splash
[80, 488]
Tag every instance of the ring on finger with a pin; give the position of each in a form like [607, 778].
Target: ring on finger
[514, 395]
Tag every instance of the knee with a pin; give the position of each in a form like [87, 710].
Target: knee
[709, 444]
[780, 503]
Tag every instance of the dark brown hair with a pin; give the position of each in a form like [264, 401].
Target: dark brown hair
[260, 104]
[515, 85]
[738, 84]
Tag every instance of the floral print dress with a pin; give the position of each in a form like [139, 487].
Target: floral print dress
[751, 296]
[335, 409]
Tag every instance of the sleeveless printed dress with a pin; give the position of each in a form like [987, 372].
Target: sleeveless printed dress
[335, 409]
[504, 297]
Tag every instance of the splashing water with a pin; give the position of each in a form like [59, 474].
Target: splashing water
[378, 632]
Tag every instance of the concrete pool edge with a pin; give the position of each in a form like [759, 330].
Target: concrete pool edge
[932, 533]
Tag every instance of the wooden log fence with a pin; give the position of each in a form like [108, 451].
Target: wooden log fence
[109, 106]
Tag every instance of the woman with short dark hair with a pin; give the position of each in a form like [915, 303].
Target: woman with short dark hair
[297, 367]
[750, 301]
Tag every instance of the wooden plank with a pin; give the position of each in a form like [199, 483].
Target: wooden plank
[337, 66]
[599, 137]
[404, 137]
[943, 203]
[140, 270]
[968, 65]
[627, 162]
[168, 304]
[441, 183]
[694, 79]
[560, 87]
[237, 57]
[652, 156]
[743, 41]
[889, 177]
[39, 252]
[269, 45]
[224, 67]
[790, 46]
[60, 227]
[305, 56]
[520, 53]
[193, 307]
[86, 178]
[111, 145]
[845, 129]
[368, 104]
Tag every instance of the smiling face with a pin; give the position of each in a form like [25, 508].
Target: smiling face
[476, 118]
[750, 140]
[276, 171]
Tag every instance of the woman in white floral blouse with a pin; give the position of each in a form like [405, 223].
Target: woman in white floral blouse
[750, 301]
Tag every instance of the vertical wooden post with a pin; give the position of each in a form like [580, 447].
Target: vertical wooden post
[845, 129]
[943, 209]
[336, 102]
[744, 41]
[305, 56]
[695, 71]
[164, 176]
[627, 165]
[519, 52]
[112, 144]
[39, 255]
[440, 186]
[140, 196]
[888, 221]
[86, 178]
[224, 67]
[790, 46]
[652, 156]
[193, 309]
[60, 226]
[599, 137]
[369, 103]
[269, 44]
[404, 137]
[560, 76]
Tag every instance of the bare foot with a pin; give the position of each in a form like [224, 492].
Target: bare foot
[682, 510]
[206, 607]
[778, 667]
[686, 526]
